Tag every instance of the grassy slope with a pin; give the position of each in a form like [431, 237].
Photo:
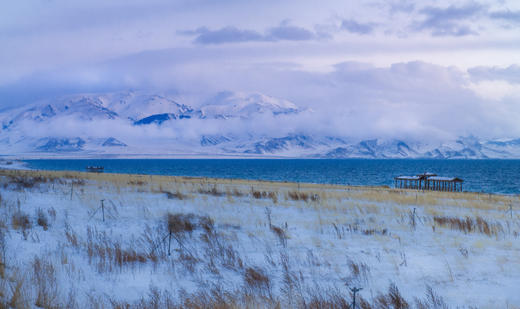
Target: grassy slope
[265, 243]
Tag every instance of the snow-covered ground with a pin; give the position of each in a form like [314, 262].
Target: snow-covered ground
[12, 164]
[247, 244]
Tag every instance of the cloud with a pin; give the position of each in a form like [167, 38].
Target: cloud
[225, 35]
[495, 90]
[401, 6]
[353, 26]
[54, 49]
[507, 15]
[482, 73]
[406, 100]
[448, 21]
[415, 99]
[230, 34]
[290, 33]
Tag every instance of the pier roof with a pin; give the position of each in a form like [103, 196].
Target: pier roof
[426, 174]
[439, 178]
[408, 177]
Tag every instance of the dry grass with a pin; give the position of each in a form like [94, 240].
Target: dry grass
[136, 182]
[281, 234]
[181, 223]
[298, 196]
[217, 250]
[294, 191]
[257, 280]
[328, 301]
[52, 213]
[392, 299]
[175, 195]
[432, 300]
[27, 182]
[234, 192]
[41, 219]
[374, 231]
[265, 195]
[217, 247]
[3, 251]
[216, 298]
[14, 292]
[258, 293]
[72, 237]
[359, 272]
[108, 255]
[44, 279]
[21, 220]
[213, 191]
[469, 225]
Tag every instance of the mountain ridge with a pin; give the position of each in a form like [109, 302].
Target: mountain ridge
[155, 114]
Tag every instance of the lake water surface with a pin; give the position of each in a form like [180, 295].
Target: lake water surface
[492, 176]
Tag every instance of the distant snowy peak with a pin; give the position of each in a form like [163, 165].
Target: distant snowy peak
[145, 109]
[37, 128]
[160, 118]
[83, 108]
[56, 145]
[274, 145]
[213, 140]
[136, 106]
[229, 105]
[226, 105]
[113, 142]
[504, 142]
[374, 148]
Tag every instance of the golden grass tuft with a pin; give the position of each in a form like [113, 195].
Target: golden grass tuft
[469, 225]
[41, 219]
[21, 220]
[256, 279]
[298, 196]
[265, 195]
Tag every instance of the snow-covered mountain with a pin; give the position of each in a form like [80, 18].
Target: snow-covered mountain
[145, 109]
[134, 123]
[374, 148]
[230, 105]
[86, 108]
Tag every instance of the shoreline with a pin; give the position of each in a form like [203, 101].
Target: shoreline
[233, 182]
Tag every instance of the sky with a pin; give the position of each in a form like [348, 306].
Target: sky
[403, 68]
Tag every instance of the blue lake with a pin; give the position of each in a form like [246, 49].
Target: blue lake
[492, 176]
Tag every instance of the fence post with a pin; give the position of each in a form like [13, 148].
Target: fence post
[354, 291]
[413, 218]
[103, 209]
[169, 242]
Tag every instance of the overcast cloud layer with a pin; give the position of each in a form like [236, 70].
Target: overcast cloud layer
[376, 68]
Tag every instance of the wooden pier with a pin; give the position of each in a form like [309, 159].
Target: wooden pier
[429, 181]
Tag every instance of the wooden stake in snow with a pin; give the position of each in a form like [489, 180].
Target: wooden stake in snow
[354, 291]
[103, 209]
[268, 213]
[413, 218]
[169, 242]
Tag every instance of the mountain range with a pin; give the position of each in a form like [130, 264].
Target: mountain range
[141, 124]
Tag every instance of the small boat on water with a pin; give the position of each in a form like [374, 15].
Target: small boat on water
[95, 169]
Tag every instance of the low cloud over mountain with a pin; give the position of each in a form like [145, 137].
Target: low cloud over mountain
[227, 124]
